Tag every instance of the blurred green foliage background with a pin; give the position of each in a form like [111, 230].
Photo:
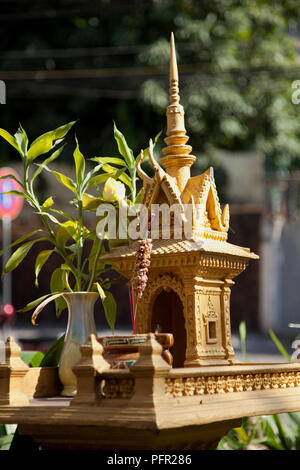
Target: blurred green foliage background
[104, 60]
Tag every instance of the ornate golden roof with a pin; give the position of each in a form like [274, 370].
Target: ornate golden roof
[165, 247]
[172, 182]
[173, 185]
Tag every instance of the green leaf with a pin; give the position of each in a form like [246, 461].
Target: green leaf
[298, 438]
[5, 442]
[90, 203]
[106, 283]
[50, 159]
[124, 150]
[126, 180]
[9, 138]
[156, 138]
[65, 180]
[9, 175]
[44, 142]
[73, 248]
[50, 216]
[25, 140]
[32, 358]
[3, 431]
[138, 197]
[14, 192]
[89, 175]
[292, 423]
[33, 304]
[41, 259]
[22, 141]
[21, 239]
[97, 249]
[267, 428]
[272, 444]
[122, 177]
[146, 150]
[61, 131]
[115, 160]
[104, 177]
[98, 179]
[43, 304]
[101, 291]
[39, 147]
[108, 168]
[62, 236]
[59, 283]
[232, 441]
[47, 204]
[243, 436]
[52, 356]
[279, 346]
[18, 256]
[10, 428]
[64, 214]
[282, 434]
[243, 334]
[110, 307]
[294, 416]
[71, 229]
[79, 165]
[70, 268]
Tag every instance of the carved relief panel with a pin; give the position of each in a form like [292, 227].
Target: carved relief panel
[210, 321]
[209, 313]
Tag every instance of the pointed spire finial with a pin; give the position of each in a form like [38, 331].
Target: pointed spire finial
[173, 75]
[177, 159]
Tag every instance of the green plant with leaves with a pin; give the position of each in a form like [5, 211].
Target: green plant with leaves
[274, 432]
[69, 236]
[243, 334]
[112, 165]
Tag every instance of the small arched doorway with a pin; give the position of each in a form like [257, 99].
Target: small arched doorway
[168, 317]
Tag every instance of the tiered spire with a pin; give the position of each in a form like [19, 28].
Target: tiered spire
[177, 160]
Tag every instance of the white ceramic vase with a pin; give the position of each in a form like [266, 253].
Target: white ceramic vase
[81, 324]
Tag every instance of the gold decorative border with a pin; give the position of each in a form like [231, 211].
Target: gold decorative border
[189, 386]
[207, 263]
[210, 385]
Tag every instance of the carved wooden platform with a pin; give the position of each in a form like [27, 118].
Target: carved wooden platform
[149, 406]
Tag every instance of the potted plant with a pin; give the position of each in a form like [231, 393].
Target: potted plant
[79, 281]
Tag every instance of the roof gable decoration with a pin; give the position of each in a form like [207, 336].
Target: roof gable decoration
[200, 191]
[160, 181]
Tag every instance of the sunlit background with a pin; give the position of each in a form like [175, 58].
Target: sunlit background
[101, 61]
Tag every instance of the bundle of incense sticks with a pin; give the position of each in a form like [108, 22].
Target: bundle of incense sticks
[139, 275]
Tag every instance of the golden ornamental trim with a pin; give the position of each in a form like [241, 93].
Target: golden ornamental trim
[211, 385]
[164, 282]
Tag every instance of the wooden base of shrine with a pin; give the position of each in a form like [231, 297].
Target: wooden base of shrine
[188, 423]
[149, 406]
[101, 437]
